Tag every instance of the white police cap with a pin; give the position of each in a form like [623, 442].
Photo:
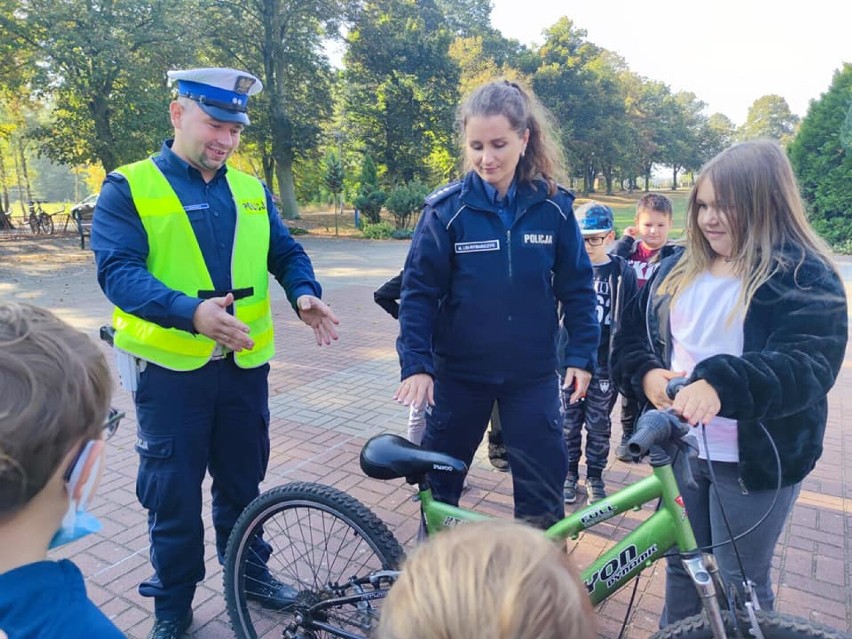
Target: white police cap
[220, 93]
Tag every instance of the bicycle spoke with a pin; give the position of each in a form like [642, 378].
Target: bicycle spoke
[310, 549]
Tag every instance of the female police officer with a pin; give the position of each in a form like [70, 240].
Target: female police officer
[493, 257]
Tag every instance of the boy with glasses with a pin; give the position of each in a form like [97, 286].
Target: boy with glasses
[53, 422]
[615, 284]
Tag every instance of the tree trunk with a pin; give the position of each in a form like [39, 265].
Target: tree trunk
[674, 178]
[268, 163]
[287, 189]
[24, 173]
[105, 145]
[4, 185]
[589, 178]
[608, 179]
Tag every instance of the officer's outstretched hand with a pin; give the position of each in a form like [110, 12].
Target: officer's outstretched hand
[317, 314]
[416, 390]
[213, 320]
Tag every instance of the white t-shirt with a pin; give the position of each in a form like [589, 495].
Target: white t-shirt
[702, 326]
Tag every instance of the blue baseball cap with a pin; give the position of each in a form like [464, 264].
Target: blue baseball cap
[221, 93]
[594, 217]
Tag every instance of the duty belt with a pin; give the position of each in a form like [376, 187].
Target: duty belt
[220, 352]
[238, 293]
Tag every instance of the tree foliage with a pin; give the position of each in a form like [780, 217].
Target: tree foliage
[822, 158]
[402, 86]
[97, 70]
[333, 174]
[102, 66]
[769, 117]
[288, 56]
[370, 198]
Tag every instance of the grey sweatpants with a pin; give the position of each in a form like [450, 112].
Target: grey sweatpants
[743, 509]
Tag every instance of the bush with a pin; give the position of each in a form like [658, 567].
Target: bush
[379, 231]
[402, 234]
[370, 202]
[370, 197]
[405, 200]
[843, 248]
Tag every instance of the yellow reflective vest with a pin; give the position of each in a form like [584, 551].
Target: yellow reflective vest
[175, 259]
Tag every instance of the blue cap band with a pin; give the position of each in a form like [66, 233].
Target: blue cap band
[214, 96]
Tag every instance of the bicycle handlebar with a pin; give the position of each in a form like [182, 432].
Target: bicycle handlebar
[675, 386]
[107, 334]
[656, 428]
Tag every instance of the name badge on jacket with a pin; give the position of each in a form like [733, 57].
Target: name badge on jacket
[477, 247]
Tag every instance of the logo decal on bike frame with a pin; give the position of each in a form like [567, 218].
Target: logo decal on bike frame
[599, 514]
[616, 568]
[679, 502]
[451, 521]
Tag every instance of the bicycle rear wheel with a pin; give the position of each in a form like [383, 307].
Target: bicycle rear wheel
[322, 542]
[773, 626]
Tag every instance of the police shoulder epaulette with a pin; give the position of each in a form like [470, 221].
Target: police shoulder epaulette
[443, 193]
[565, 190]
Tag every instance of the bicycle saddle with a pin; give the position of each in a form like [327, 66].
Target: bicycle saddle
[391, 456]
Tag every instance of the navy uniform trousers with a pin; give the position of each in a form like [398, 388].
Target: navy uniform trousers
[215, 418]
[532, 432]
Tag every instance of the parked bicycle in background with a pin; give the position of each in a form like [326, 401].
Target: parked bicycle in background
[40, 221]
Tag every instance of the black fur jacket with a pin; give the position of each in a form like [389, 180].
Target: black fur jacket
[794, 332]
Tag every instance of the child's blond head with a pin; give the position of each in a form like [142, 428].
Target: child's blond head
[488, 580]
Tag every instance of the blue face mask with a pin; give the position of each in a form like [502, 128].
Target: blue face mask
[77, 522]
[75, 525]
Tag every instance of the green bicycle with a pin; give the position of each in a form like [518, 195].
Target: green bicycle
[341, 559]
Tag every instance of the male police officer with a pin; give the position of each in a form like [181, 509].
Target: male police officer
[183, 246]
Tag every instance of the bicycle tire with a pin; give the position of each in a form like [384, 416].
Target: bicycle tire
[303, 522]
[46, 224]
[773, 625]
[34, 225]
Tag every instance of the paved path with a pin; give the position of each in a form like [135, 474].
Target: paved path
[326, 401]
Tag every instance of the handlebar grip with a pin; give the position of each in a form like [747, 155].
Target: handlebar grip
[107, 333]
[674, 386]
[653, 428]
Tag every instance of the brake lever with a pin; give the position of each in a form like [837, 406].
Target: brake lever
[689, 448]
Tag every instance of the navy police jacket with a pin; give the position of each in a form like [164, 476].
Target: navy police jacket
[479, 301]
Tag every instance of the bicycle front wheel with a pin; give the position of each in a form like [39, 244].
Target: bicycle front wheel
[46, 224]
[322, 543]
[773, 625]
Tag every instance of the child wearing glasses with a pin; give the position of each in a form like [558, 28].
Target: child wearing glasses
[615, 284]
[56, 392]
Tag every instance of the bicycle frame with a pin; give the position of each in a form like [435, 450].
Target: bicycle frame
[669, 526]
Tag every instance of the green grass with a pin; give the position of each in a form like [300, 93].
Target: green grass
[623, 207]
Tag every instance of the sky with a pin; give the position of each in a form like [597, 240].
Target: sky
[728, 52]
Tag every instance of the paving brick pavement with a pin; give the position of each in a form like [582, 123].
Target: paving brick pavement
[325, 402]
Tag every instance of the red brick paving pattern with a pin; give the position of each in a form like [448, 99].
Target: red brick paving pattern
[326, 401]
